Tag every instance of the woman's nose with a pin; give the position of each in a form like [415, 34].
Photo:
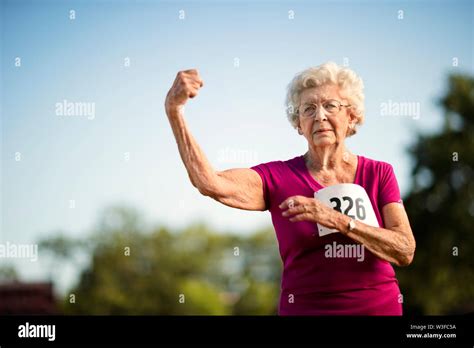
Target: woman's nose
[320, 114]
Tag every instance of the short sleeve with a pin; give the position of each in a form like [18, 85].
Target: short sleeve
[389, 191]
[264, 171]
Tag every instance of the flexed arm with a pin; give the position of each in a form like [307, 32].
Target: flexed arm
[240, 187]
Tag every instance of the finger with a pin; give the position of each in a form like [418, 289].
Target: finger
[194, 78]
[290, 202]
[191, 71]
[193, 74]
[191, 87]
[195, 84]
[190, 81]
[295, 210]
[287, 202]
[301, 217]
[198, 81]
[188, 75]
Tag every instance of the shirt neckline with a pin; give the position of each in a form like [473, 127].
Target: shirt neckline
[315, 182]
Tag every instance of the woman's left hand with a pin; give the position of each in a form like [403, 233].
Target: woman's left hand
[300, 208]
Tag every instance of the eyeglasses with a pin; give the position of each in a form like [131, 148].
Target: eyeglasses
[330, 107]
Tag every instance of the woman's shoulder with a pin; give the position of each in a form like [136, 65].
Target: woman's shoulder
[280, 168]
[278, 164]
[374, 163]
[375, 166]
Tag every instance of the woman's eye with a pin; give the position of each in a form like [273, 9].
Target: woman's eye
[330, 106]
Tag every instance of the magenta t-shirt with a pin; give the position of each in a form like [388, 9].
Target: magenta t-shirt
[312, 283]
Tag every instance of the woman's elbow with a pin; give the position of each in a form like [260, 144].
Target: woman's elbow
[204, 187]
[406, 257]
[405, 260]
[206, 191]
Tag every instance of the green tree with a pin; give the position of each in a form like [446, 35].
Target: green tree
[8, 274]
[190, 272]
[441, 210]
[259, 298]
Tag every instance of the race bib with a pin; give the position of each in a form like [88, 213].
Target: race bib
[349, 199]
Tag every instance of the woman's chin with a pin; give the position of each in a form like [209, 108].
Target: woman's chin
[326, 141]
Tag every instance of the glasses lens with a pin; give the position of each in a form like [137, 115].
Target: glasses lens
[331, 106]
[309, 110]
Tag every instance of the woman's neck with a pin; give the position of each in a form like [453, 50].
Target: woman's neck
[328, 158]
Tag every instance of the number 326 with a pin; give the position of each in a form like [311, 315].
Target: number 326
[359, 207]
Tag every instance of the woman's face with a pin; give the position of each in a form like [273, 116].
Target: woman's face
[324, 129]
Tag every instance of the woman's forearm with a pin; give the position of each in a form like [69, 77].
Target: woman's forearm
[200, 171]
[390, 245]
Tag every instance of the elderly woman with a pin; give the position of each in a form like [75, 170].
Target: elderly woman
[321, 242]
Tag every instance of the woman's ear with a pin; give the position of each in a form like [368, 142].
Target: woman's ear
[298, 128]
[352, 117]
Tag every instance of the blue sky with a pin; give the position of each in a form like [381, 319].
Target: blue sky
[239, 110]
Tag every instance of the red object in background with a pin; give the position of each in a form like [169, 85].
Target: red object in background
[27, 298]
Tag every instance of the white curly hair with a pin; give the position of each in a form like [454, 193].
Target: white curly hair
[351, 88]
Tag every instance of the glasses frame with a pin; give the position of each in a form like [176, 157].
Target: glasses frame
[325, 111]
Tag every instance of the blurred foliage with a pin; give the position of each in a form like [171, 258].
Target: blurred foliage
[8, 274]
[190, 272]
[441, 210]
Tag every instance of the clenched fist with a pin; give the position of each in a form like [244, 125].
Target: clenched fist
[186, 85]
